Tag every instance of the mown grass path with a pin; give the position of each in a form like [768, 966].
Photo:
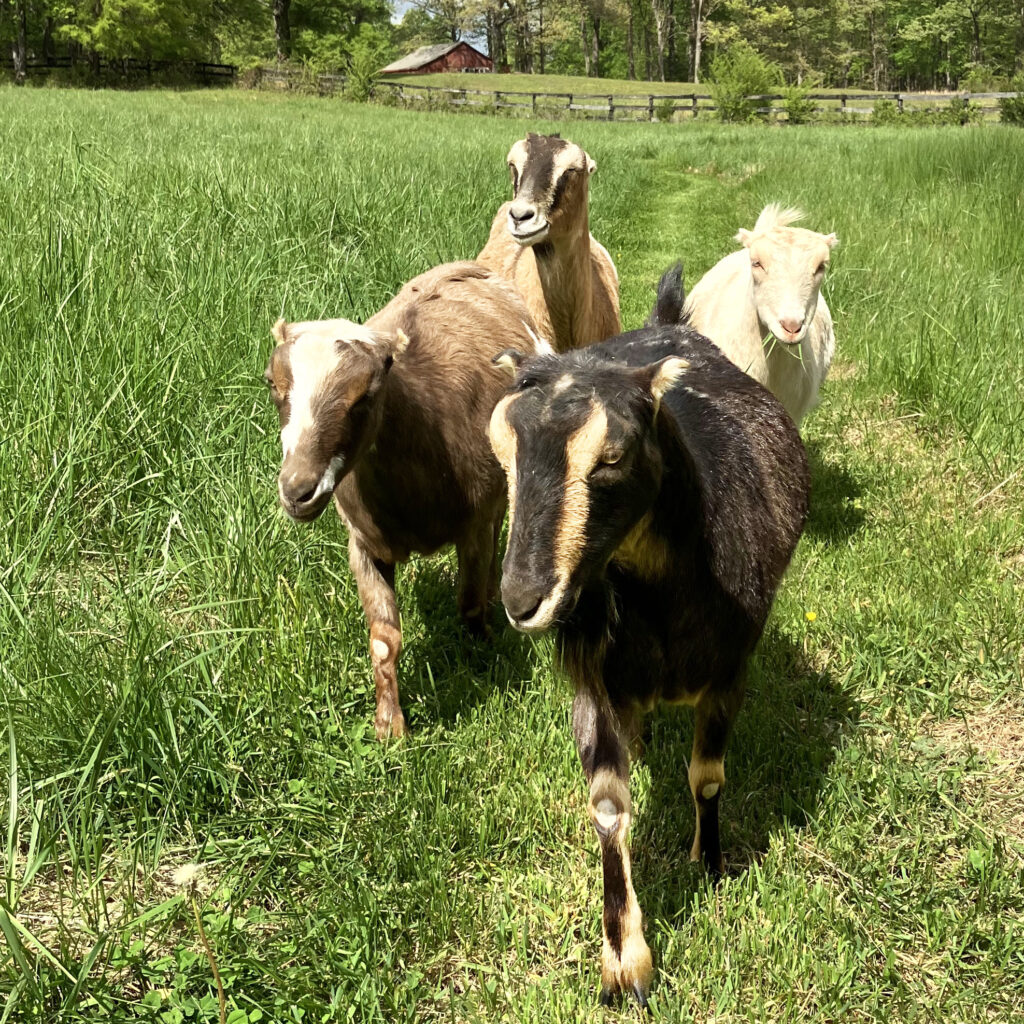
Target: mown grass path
[183, 673]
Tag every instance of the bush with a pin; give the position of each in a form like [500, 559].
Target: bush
[1011, 108]
[368, 53]
[885, 112]
[664, 110]
[736, 75]
[800, 109]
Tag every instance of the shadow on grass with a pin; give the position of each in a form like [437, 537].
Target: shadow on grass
[835, 513]
[445, 669]
[782, 745]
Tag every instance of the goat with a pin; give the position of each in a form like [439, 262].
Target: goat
[541, 242]
[391, 419]
[762, 306]
[656, 495]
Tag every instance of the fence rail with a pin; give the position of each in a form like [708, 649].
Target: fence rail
[131, 67]
[625, 106]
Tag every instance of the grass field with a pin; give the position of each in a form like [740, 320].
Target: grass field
[576, 84]
[183, 672]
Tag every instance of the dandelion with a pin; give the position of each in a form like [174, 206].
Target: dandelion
[810, 616]
[187, 878]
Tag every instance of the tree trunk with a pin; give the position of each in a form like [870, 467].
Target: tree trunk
[648, 66]
[282, 29]
[975, 35]
[540, 35]
[49, 50]
[583, 42]
[696, 28]
[19, 49]
[629, 44]
[660, 26]
[596, 47]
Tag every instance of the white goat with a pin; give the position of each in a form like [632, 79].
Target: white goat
[762, 306]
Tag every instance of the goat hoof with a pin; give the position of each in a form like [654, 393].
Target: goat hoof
[640, 996]
[607, 996]
[478, 627]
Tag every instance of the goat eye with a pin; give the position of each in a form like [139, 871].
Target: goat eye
[756, 264]
[610, 458]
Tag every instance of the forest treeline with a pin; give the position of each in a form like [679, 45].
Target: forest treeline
[876, 44]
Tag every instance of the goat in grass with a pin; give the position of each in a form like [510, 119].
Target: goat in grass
[763, 307]
[541, 241]
[390, 419]
[656, 495]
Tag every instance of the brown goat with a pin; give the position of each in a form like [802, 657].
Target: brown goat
[541, 241]
[391, 419]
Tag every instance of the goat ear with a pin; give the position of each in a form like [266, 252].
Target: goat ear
[280, 331]
[744, 237]
[591, 164]
[831, 240]
[511, 359]
[663, 376]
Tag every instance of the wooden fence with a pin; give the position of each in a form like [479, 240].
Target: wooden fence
[636, 106]
[130, 68]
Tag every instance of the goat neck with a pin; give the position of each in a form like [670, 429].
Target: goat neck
[566, 277]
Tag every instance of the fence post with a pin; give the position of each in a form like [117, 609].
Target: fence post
[899, 102]
[569, 108]
[650, 108]
[497, 100]
[611, 108]
[842, 103]
[693, 104]
[534, 105]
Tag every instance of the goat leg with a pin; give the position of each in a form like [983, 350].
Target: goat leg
[477, 552]
[376, 583]
[714, 718]
[601, 738]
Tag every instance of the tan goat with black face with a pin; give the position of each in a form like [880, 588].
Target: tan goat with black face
[390, 418]
[541, 241]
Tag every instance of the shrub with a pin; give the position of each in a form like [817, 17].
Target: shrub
[738, 74]
[1011, 108]
[799, 108]
[664, 110]
[369, 52]
[885, 112]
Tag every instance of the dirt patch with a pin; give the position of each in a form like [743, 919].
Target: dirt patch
[995, 736]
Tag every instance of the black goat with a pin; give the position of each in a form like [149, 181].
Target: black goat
[656, 496]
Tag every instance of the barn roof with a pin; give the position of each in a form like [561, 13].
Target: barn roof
[424, 55]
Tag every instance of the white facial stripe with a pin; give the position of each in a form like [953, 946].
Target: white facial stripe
[330, 477]
[313, 358]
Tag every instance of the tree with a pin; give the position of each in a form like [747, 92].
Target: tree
[283, 29]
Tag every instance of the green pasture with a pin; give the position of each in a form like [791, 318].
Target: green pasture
[184, 675]
[576, 84]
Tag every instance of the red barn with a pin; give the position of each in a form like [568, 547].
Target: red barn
[426, 60]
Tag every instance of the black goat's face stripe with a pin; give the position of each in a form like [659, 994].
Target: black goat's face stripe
[548, 471]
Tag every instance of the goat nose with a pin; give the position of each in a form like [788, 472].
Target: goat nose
[521, 598]
[521, 212]
[299, 486]
[791, 325]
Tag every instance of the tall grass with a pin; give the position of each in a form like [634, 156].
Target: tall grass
[183, 673]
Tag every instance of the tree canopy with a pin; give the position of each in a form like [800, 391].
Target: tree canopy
[880, 44]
